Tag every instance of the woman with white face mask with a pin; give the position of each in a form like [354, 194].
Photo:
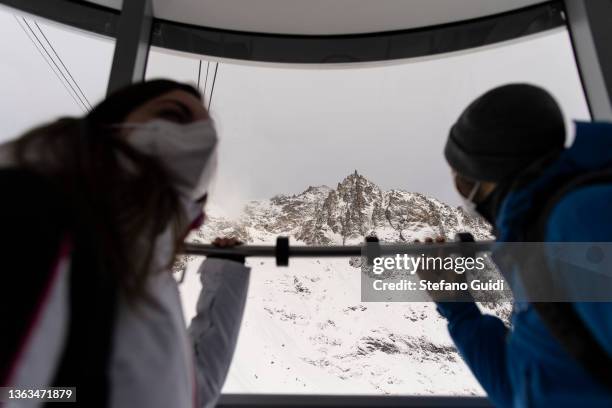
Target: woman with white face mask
[96, 210]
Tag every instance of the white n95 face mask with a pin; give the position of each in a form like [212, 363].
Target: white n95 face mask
[188, 152]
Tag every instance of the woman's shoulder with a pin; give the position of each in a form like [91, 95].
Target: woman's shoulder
[18, 177]
[29, 197]
[34, 242]
[34, 220]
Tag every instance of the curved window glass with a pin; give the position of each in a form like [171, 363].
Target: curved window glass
[48, 70]
[326, 156]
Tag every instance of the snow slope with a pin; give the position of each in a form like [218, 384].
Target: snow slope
[305, 329]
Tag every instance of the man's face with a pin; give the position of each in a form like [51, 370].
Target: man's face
[465, 185]
[462, 184]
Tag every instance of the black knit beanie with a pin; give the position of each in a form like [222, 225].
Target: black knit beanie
[120, 103]
[504, 131]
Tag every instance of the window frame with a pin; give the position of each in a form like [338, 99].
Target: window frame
[330, 49]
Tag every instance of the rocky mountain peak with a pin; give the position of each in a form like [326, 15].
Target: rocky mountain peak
[357, 183]
[356, 208]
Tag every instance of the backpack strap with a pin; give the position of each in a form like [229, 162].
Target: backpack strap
[27, 272]
[85, 362]
[85, 357]
[561, 318]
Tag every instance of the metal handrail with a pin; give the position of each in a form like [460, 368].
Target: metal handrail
[282, 251]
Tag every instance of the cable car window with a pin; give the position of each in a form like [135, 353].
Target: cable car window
[327, 155]
[48, 70]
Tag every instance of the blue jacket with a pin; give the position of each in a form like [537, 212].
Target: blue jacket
[525, 366]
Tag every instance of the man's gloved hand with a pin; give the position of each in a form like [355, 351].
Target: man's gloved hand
[228, 243]
[449, 276]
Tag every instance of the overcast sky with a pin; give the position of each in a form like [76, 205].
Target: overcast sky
[283, 129]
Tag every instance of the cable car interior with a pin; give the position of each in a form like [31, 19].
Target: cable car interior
[321, 106]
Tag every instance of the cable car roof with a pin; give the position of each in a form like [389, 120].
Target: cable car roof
[316, 31]
[324, 17]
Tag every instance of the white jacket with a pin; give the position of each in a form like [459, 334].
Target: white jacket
[155, 361]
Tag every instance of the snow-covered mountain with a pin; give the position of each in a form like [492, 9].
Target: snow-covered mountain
[354, 209]
[305, 329]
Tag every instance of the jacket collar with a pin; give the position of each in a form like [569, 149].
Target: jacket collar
[590, 151]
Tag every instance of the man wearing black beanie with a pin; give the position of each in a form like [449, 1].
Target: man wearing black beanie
[504, 131]
[497, 137]
[506, 152]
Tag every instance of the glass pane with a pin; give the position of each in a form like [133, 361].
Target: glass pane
[326, 156]
[48, 70]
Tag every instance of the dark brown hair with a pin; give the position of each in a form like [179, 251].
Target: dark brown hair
[120, 200]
